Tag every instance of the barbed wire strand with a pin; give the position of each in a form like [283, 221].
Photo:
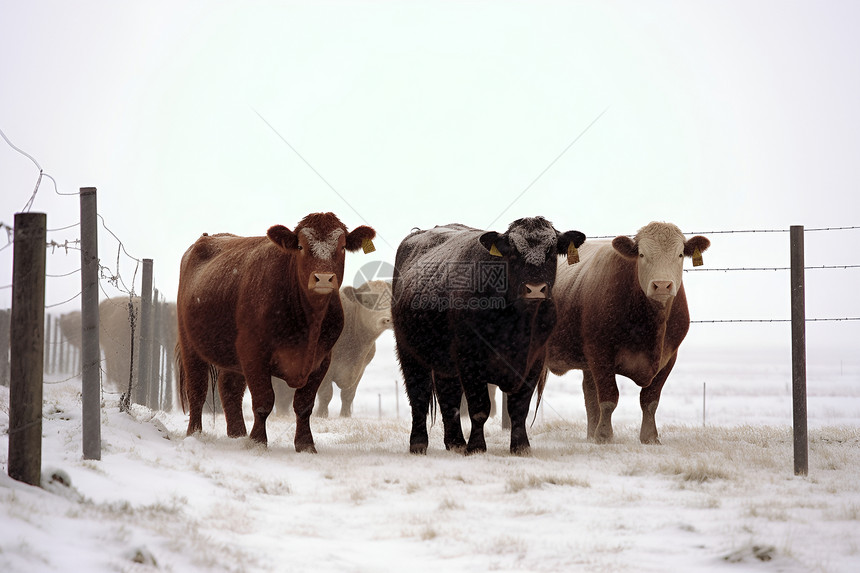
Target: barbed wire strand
[64, 228]
[730, 232]
[765, 320]
[726, 269]
[62, 303]
[68, 274]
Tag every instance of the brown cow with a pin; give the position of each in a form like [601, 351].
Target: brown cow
[623, 310]
[257, 307]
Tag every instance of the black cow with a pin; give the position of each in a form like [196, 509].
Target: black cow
[470, 308]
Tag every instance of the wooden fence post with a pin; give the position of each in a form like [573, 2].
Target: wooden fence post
[28, 348]
[798, 352]
[144, 362]
[90, 352]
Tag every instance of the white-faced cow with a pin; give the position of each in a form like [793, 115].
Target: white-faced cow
[367, 314]
[623, 310]
[257, 307]
[470, 308]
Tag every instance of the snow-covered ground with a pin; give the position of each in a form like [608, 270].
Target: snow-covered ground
[715, 497]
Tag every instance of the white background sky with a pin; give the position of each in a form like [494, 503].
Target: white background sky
[718, 115]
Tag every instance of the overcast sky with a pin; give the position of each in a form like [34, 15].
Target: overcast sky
[711, 115]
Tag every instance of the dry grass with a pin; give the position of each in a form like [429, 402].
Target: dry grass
[534, 481]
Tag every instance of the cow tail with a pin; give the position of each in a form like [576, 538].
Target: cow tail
[213, 381]
[540, 386]
[183, 383]
[434, 396]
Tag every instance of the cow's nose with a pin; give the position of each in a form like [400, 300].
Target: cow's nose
[539, 290]
[323, 282]
[661, 288]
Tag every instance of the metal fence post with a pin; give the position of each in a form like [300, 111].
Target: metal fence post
[154, 399]
[798, 352]
[90, 351]
[144, 362]
[27, 335]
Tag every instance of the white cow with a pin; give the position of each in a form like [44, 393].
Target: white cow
[367, 314]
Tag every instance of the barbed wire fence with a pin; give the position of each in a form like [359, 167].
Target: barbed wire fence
[118, 331]
[118, 336]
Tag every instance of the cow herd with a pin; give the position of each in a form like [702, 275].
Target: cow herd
[468, 308]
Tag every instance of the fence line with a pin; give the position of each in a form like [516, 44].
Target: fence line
[697, 270]
[55, 350]
[733, 232]
[748, 320]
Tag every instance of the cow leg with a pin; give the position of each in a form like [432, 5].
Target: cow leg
[283, 397]
[347, 395]
[418, 382]
[592, 411]
[324, 395]
[518, 410]
[196, 373]
[474, 384]
[607, 400]
[449, 392]
[262, 400]
[303, 404]
[231, 387]
[478, 414]
[649, 399]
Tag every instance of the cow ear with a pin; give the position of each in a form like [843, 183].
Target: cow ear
[698, 242]
[497, 244]
[355, 239]
[283, 237]
[626, 247]
[568, 238]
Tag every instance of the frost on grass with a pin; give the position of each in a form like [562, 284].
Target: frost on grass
[537, 481]
[698, 471]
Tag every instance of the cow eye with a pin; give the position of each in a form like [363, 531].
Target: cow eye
[681, 256]
[641, 255]
[300, 247]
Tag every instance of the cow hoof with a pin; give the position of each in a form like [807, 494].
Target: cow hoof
[455, 445]
[306, 449]
[652, 441]
[522, 451]
[418, 449]
[476, 450]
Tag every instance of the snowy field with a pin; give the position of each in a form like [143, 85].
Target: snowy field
[718, 497]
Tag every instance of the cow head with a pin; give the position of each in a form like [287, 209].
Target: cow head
[659, 250]
[319, 244]
[530, 249]
[372, 305]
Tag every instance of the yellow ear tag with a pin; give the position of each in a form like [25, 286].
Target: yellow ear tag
[494, 251]
[572, 254]
[367, 246]
[697, 258]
